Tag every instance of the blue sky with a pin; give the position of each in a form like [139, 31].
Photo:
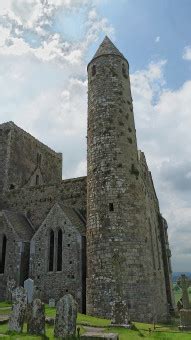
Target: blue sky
[44, 50]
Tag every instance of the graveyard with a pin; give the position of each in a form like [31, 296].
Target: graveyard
[50, 319]
[141, 330]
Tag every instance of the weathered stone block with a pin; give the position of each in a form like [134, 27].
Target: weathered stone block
[66, 315]
[36, 318]
[17, 315]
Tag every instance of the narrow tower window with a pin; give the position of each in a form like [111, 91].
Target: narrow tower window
[111, 207]
[51, 252]
[93, 70]
[37, 179]
[3, 254]
[124, 71]
[59, 251]
[39, 159]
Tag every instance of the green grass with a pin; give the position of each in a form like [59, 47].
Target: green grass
[141, 331]
[162, 332]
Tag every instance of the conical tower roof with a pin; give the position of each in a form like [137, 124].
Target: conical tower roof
[107, 48]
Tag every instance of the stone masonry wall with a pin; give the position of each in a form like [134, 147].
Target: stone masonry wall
[15, 251]
[29, 159]
[37, 201]
[5, 133]
[154, 238]
[119, 261]
[56, 283]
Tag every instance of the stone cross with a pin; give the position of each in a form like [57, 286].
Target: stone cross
[66, 315]
[184, 282]
[16, 319]
[29, 288]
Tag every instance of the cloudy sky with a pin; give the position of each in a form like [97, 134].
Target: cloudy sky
[45, 46]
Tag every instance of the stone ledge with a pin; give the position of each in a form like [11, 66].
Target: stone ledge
[98, 336]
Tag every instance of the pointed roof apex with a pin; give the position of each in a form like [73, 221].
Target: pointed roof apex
[107, 48]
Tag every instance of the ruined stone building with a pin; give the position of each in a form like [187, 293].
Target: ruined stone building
[102, 237]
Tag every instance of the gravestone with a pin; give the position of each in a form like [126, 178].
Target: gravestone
[17, 315]
[185, 313]
[51, 303]
[36, 318]
[66, 315]
[11, 285]
[120, 313]
[29, 288]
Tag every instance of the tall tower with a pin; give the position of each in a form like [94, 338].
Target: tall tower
[119, 277]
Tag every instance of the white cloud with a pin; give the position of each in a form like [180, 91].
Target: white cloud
[24, 19]
[187, 53]
[43, 89]
[157, 39]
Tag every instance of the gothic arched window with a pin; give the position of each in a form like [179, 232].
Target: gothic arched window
[3, 246]
[51, 251]
[59, 251]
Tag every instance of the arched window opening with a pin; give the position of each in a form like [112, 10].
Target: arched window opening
[3, 242]
[37, 179]
[59, 251]
[51, 252]
[93, 70]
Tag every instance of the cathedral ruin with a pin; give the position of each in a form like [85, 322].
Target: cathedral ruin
[100, 238]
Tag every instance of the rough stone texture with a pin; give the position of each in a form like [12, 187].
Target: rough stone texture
[185, 319]
[11, 285]
[16, 319]
[66, 315]
[56, 283]
[184, 283]
[29, 288]
[128, 255]
[51, 303]
[124, 253]
[119, 307]
[18, 231]
[36, 318]
[22, 164]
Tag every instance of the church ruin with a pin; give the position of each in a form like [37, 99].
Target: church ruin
[100, 238]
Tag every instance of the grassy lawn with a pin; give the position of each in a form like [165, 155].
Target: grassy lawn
[163, 332]
[141, 331]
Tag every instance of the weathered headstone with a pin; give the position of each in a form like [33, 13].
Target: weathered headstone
[29, 288]
[36, 318]
[184, 282]
[66, 315]
[185, 313]
[17, 315]
[120, 313]
[51, 303]
[11, 285]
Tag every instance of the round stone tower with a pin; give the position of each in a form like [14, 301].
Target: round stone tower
[118, 285]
